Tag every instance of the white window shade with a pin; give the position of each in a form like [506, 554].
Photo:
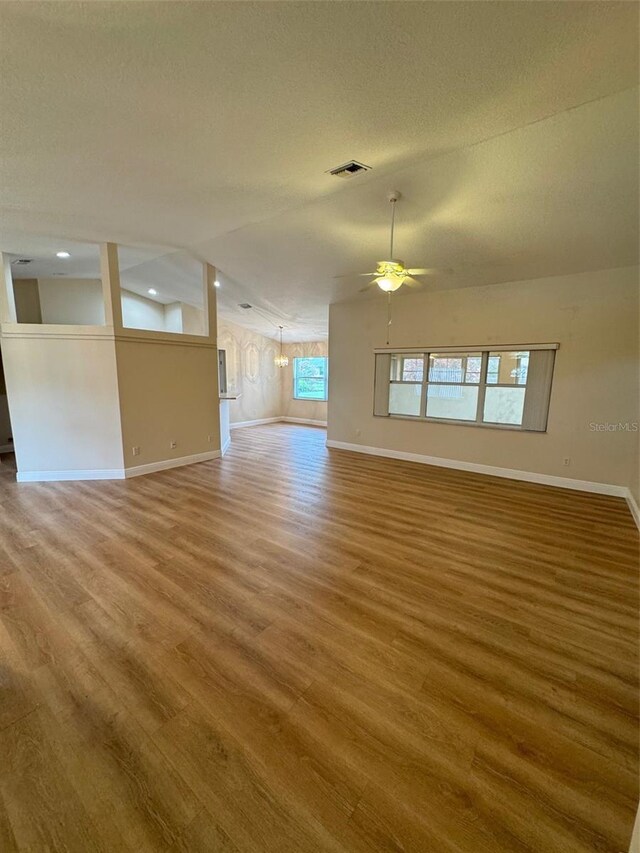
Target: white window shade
[536, 401]
[505, 387]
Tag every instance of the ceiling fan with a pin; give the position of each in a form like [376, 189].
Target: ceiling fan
[391, 274]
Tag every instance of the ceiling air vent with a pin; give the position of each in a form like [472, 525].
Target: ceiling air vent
[22, 261]
[244, 305]
[348, 170]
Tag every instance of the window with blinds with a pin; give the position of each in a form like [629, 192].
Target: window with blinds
[498, 387]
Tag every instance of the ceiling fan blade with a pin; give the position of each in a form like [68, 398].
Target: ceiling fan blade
[430, 271]
[366, 287]
[413, 282]
[355, 274]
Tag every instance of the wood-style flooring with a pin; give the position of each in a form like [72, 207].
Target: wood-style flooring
[293, 649]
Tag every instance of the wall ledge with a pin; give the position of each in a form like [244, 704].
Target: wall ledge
[43, 331]
[493, 471]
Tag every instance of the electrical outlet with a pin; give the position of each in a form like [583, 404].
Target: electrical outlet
[358, 432]
[173, 445]
[136, 451]
[209, 438]
[566, 461]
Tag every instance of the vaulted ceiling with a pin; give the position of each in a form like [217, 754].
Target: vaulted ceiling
[511, 130]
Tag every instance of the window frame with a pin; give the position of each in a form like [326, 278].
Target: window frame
[403, 358]
[481, 385]
[323, 399]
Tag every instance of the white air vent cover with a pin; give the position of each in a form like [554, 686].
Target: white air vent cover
[22, 261]
[348, 170]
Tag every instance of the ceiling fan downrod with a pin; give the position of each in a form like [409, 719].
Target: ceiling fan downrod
[394, 195]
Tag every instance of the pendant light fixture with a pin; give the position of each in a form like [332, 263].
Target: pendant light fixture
[281, 360]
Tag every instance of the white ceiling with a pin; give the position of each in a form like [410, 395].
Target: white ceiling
[510, 128]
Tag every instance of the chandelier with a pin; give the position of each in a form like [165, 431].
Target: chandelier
[281, 360]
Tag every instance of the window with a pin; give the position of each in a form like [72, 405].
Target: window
[310, 377]
[506, 388]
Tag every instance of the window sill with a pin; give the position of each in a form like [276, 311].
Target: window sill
[419, 419]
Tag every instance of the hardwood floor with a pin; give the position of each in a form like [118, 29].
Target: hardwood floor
[298, 650]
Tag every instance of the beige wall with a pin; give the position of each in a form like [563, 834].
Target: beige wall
[78, 301]
[168, 392]
[83, 395]
[138, 312]
[192, 319]
[168, 384]
[63, 397]
[27, 300]
[251, 372]
[266, 390]
[5, 420]
[71, 301]
[305, 409]
[594, 318]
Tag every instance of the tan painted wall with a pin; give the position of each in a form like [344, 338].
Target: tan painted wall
[168, 384]
[594, 317]
[192, 319]
[5, 420]
[168, 392]
[71, 301]
[27, 300]
[78, 301]
[290, 408]
[138, 312]
[78, 392]
[267, 390]
[251, 372]
[63, 398]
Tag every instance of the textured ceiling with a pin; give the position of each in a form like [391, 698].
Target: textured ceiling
[210, 126]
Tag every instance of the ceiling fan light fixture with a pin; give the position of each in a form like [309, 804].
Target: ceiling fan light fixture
[389, 282]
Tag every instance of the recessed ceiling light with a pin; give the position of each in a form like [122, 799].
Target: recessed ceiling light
[152, 291]
[216, 283]
[63, 254]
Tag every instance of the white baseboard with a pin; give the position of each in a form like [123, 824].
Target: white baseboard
[278, 420]
[114, 473]
[225, 446]
[633, 506]
[88, 474]
[308, 421]
[164, 464]
[491, 470]
[254, 423]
